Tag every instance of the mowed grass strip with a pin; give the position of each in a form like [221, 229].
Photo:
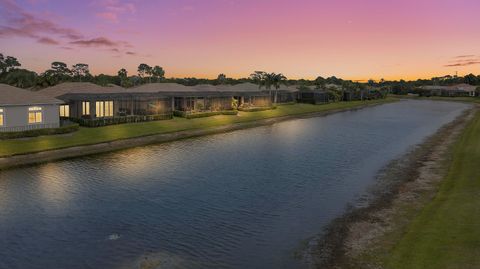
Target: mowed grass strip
[446, 234]
[88, 136]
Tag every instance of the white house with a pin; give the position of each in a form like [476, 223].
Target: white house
[22, 110]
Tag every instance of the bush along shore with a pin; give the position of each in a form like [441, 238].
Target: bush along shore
[420, 214]
[115, 137]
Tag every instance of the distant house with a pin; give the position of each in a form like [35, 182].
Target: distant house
[23, 110]
[459, 90]
[248, 94]
[287, 94]
[311, 95]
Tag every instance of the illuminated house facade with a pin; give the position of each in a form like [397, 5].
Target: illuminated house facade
[209, 97]
[94, 105]
[22, 110]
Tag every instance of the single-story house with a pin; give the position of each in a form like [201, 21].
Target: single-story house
[458, 90]
[88, 101]
[189, 98]
[24, 110]
[311, 95]
[248, 94]
[287, 94]
[206, 97]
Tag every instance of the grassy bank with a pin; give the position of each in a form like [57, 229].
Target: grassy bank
[89, 136]
[446, 233]
[440, 98]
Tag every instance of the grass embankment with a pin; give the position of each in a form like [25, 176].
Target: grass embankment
[89, 136]
[446, 234]
[440, 98]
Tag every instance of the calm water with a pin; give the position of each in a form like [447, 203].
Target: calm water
[245, 199]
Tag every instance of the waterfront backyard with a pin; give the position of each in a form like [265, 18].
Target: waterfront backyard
[89, 136]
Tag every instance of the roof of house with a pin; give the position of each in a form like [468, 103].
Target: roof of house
[457, 87]
[10, 95]
[79, 87]
[160, 87]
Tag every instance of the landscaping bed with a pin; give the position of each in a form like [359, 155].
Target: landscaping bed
[256, 109]
[203, 114]
[120, 120]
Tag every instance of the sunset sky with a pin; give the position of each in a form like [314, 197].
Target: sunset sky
[352, 39]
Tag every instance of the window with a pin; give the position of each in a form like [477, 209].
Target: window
[2, 121]
[34, 115]
[65, 111]
[104, 109]
[85, 108]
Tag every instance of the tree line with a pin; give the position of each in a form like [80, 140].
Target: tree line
[11, 73]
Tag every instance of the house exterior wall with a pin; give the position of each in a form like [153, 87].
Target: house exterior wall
[16, 118]
[124, 107]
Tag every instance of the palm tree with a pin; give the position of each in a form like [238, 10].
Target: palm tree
[269, 80]
[123, 75]
[221, 79]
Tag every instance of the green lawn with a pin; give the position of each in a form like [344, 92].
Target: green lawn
[87, 136]
[446, 234]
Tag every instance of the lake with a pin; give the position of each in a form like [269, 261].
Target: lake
[244, 199]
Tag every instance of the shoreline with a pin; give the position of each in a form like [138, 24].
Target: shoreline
[359, 238]
[19, 160]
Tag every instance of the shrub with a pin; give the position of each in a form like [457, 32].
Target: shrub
[32, 133]
[188, 115]
[256, 109]
[120, 120]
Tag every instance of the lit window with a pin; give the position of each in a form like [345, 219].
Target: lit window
[34, 114]
[1, 117]
[85, 108]
[65, 111]
[104, 109]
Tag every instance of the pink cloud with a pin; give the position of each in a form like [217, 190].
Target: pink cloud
[95, 42]
[47, 41]
[113, 9]
[108, 16]
[19, 22]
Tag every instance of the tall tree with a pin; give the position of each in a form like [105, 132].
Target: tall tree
[144, 69]
[60, 73]
[471, 79]
[123, 75]
[60, 68]
[158, 73]
[8, 64]
[80, 71]
[21, 78]
[320, 82]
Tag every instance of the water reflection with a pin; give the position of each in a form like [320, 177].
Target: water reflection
[244, 199]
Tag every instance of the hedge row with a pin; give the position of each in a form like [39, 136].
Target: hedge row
[38, 132]
[187, 115]
[120, 120]
[256, 109]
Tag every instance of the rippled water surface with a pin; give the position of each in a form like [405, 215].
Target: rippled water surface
[246, 199]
